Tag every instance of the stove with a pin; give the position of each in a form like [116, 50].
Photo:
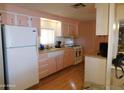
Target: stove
[78, 54]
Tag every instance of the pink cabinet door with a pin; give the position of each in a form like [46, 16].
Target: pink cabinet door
[42, 56]
[52, 65]
[73, 30]
[36, 23]
[59, 62]
[71, 58]
[0, 18]
[43, 65]
[8, 19]
[65, 29]
[22, 20]
[68, 57]
[43, 69]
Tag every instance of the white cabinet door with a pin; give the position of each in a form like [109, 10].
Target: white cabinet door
[102, 14]
[95, 70]
[119, 12]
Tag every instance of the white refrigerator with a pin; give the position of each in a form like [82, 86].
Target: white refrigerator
[20, 56]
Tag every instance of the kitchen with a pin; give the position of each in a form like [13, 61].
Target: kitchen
[62, 41]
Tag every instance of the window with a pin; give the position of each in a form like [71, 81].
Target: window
[47, 36]
[49, 30]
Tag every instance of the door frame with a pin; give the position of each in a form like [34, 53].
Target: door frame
[1, 63]
[111, 54]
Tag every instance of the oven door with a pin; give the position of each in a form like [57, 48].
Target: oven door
[78, 55]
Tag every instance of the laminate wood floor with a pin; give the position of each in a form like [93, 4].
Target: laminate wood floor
[71, 78]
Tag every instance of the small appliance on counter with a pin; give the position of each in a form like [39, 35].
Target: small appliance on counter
[41, 47]
[103, 48]
[58, 44]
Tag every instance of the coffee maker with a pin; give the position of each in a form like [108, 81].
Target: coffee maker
[58, 44]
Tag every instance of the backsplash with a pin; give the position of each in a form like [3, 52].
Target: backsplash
[65, 41]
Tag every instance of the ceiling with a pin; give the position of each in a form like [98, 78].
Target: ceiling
[65, 9]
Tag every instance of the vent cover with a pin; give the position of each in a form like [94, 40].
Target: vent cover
[78, 5]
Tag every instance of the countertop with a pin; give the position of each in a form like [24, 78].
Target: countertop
[52, 50]
[96, 56]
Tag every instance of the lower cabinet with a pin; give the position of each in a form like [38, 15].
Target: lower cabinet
[95, 69]
[50, 63]
[68, 57]
[43, 65]
[59, 62]
[43, 71]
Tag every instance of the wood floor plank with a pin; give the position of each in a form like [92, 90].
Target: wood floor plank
[71, 78]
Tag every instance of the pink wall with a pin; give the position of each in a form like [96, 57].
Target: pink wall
[87, 37]
[18, 9]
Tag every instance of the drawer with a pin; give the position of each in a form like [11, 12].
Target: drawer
[43, 74]
[68, 50]
[56, 53]
[43, 62]
[43, 67]
[43, 56]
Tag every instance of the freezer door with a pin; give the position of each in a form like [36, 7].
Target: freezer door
[22, 67]
[18, 36]
[1, 65]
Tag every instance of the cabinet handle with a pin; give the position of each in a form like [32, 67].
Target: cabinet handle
[12, 21]
[19, 22]
[0, 18]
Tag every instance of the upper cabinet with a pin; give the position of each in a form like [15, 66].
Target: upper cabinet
[7, 18]
[69, 30]
[22, 20]
[19, 20]
[73, 30]
[119, 12]
[35, 22]
[102, 14]
[65, 29]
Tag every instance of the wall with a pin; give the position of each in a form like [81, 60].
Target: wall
[87, 37]
[18, 9]
[15, 8]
